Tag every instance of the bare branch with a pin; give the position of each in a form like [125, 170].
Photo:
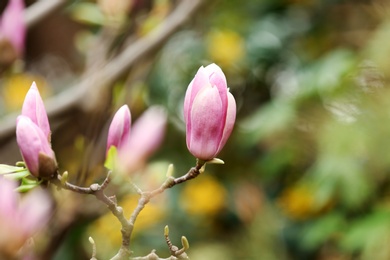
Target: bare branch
[98, 191]
[128, 225]
[40, 10]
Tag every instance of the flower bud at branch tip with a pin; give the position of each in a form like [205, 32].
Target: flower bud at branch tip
[20, 164]
[12, 25]
[91, 240]
[166, 231]
[119, 130]
[35, 148]
[170, 170]
[34, 108]
[185, 243]
[209, 113]
[146, 137]
[64, 177]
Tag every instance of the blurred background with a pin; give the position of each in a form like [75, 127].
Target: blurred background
[306, 173]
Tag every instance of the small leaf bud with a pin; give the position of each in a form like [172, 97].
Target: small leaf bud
[166, 231]
[185, 243]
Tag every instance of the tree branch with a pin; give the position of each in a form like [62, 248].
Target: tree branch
[128, 225]
[40, 10]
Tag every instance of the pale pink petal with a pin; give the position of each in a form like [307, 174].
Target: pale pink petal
[217, 78]
[34, 108]
[230, 120]
[8, 199]
[119, 130]
[13, 26]
[146, 137]
[34, 211]
[31, 141]
[206, 115]
[200, 80]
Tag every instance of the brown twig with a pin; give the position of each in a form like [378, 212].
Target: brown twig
[127, 225]
[40, 10]
[98, 191]
[146, 196]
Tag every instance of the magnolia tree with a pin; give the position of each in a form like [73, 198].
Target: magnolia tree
[209, 115]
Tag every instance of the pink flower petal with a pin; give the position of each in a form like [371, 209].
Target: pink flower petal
[207, 127]
[119, 130]
[31, 141]
[34, 108]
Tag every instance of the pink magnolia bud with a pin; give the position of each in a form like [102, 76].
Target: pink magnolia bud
[35, 148]
[20, 218]
[119, 130]
[146, 136]
[34, 109]
[209, 112]
[12, 25]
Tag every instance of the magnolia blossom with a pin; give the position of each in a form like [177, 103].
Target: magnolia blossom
[33, 136]
[209, 112]
[34, 108]
[35, 148]
[119, 130]
[146, 136]
[20, 219]
[12, 25]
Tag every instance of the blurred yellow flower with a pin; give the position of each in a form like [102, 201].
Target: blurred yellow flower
[299, 202]
[225, 47]
[203, 196]
[16, 86]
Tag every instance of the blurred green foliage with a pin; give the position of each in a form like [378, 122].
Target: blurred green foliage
[310, 80]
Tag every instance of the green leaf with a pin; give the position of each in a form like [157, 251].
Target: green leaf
[28, 181]
[111, 158]
[322, 230]
[6, 169]
[344, 178]
[18, 175]
[28, 184]
[88, 13]
[369, 230]
[275, 116]
[26, 188]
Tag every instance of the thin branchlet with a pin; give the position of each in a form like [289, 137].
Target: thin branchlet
[127, 225]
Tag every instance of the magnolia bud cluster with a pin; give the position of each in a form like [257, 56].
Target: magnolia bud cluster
[209, 115]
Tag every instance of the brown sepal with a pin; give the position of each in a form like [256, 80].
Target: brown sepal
[47, 167]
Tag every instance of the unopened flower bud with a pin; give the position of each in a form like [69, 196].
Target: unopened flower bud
[35, 148]
[34, 109]
[119, 130]
[146, 136]
[166, 231]
[20, 217]
[12, 25]
[209, 113]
